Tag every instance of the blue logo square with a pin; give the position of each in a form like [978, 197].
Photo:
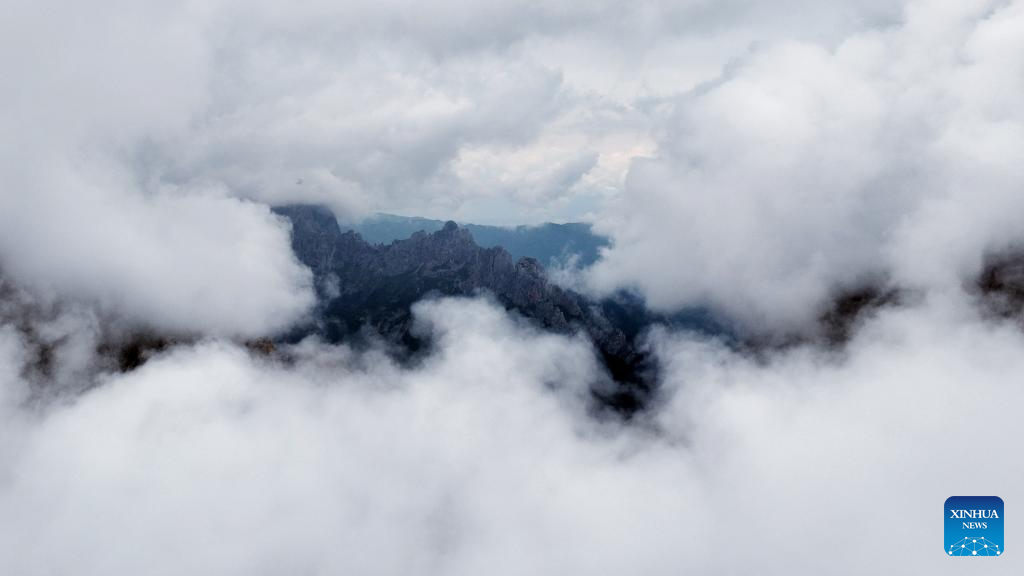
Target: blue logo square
[974, 526]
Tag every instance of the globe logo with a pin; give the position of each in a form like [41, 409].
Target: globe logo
[975, 547]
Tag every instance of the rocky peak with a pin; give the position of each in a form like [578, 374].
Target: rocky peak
[375, 286]
[531, 267]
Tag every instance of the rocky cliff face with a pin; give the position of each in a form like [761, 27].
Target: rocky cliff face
[374, 286]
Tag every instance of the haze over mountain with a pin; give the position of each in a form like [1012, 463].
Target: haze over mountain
[572, 243]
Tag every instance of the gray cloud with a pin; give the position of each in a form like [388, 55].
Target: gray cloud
[390, 105]
[371, 103]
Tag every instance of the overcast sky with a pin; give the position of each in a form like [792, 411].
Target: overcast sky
[507, 111]
[791, 147]
[754, 157]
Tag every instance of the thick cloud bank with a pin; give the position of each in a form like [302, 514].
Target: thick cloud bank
[176, 262]
[484, 460]
[895, 153]
[83, 210]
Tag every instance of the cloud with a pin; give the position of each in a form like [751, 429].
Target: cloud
[379, 105]
[211, 461]
[807, 168]
[84, 214]
[176, 261]
[387, 106]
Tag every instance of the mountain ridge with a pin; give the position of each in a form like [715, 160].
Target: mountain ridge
[552, 244]
[362, 285]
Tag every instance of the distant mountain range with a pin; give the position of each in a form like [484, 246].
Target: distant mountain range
[550, 244]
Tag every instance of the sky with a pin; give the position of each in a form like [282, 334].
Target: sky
[755, 158]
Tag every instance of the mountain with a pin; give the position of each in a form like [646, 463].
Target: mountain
[373, 286]
[550, 244]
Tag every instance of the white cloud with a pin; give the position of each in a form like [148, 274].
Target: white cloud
[483, 458]
[808, 168]
[83, 212]
[176, 261]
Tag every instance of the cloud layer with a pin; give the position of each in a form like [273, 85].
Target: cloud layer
[484, 459]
